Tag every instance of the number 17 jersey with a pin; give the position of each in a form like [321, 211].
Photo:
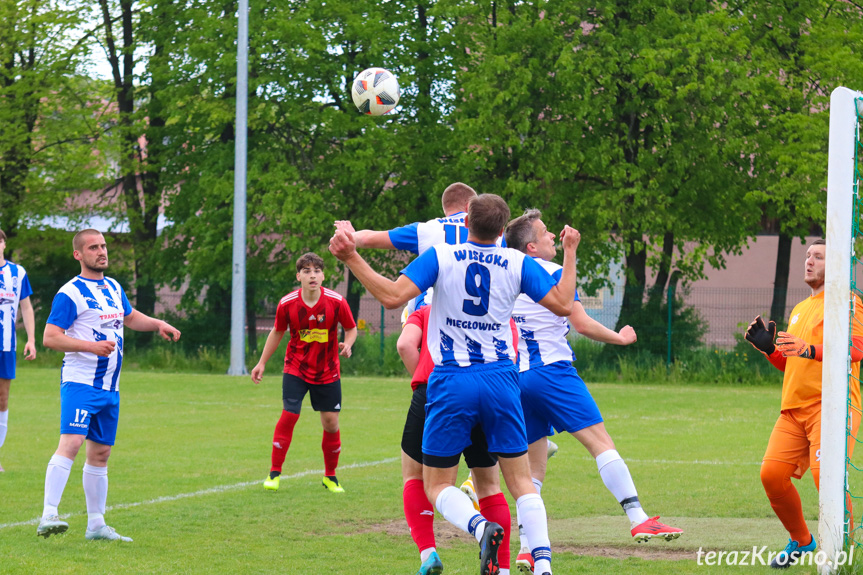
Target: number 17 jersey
[476, 286]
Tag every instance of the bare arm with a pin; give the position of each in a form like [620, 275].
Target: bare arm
[273, 340]
[560, 298]
[367, 239]
[391, 294]
[29, 327]
[348, 343]
[142, 322]
[408, 346]
[589, 327]
[55, 338]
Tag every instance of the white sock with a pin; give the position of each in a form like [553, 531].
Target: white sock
[457, 508]
[426, 553]
[538, 484]
[4, 422]
[531, 511]
[522, 538]
[96, 493]
[616, 477]
[55, 482]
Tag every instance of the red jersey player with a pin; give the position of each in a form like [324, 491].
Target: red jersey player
[313, 314]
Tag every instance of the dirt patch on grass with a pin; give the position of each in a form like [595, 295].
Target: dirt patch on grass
[646, 551]
[445, 533]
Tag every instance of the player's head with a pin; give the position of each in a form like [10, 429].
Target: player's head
[487, 215]
[527, 233]
[310, 271]
[813, 273]
[2, 241]
[456, 197]
[89, 248]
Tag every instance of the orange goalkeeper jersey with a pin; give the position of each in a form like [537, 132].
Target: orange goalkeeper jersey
[802, 383]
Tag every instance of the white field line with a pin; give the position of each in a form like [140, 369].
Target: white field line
[211, 490]
[680, 462]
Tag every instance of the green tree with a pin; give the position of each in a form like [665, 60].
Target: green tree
[805, 50]
[631, 120]
[51, 116]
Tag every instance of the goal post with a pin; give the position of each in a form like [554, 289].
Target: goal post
[842, 225]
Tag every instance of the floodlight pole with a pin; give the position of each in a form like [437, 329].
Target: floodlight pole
[238, 267]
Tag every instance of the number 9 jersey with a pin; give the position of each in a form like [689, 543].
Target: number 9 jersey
[475, 288]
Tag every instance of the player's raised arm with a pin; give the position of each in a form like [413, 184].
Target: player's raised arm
[560, 298]
[391, 294]
[367, 239]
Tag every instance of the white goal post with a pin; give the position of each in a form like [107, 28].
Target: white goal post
[836, 368]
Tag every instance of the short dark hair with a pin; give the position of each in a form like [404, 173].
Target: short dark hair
[819, 242]
[456, 196]
[521, 231]
[2, 235]
[487, 216]
[310, 259]
[78, 240]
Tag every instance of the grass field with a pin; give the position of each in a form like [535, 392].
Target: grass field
[192, 451]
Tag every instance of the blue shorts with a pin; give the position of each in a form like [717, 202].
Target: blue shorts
[555, 397]
[7, 365]
[86, 410]
[459, 398]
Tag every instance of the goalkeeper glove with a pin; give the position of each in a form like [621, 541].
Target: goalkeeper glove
[792, 346]
[761, 336]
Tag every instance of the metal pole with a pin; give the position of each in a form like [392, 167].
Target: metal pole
[238, 279]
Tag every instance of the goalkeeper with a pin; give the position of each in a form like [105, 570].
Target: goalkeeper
[795, 443]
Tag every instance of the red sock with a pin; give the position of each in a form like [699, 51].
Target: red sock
[282, 438]
[419, 514]
[331, 445]
[495, 508]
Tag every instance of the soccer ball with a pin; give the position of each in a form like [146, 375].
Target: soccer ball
[375, 91]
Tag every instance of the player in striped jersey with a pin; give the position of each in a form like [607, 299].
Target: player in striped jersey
[14, 289]
[474, 379]
[554, 396]
[86, 322]
[418, 237]
[313, 314]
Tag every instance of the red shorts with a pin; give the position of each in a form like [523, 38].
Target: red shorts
[796, 438]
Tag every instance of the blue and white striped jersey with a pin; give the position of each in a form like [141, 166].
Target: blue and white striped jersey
[541, 334]
[475, 288]
[14, 286]
[92, 310]
[418, 237]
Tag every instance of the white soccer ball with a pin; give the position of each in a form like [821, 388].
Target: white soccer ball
[375, 91]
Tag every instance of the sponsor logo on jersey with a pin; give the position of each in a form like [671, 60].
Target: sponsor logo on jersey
[314, 335]
[5, 300]
[114, 324]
